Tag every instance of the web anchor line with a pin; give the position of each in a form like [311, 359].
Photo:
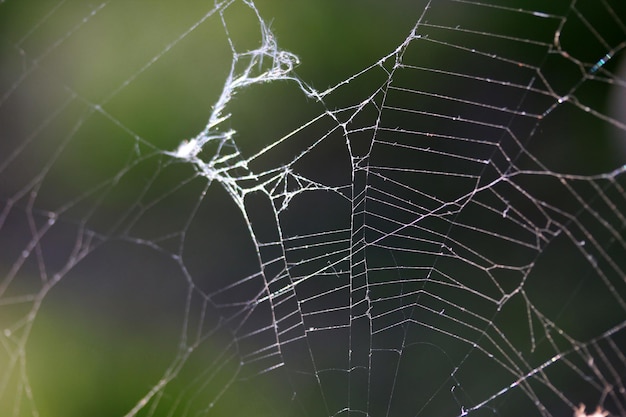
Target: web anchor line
[436, 229]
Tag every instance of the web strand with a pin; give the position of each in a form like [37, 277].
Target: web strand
[440, 231]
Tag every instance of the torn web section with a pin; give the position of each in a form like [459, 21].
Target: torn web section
[297, 220]
[402, 237]
[84, 185]
[488, 172]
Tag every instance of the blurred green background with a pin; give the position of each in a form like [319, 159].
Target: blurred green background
[93, 90]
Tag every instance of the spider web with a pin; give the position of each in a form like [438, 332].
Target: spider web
[441, 233]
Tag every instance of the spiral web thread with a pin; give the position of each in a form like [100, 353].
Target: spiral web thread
[426, 243]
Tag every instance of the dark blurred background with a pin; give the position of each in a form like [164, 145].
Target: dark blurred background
[92, 94]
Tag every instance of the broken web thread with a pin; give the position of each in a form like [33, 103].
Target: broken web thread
[401, 240]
